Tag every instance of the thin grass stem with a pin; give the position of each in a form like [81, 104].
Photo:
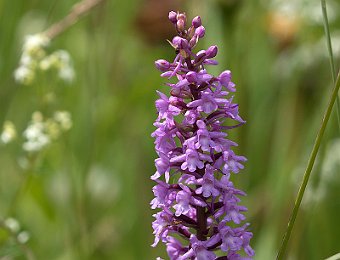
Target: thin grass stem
[308, 170]
[77, 11]
[330, 52]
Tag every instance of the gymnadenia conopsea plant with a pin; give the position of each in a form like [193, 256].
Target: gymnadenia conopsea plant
[200, 215]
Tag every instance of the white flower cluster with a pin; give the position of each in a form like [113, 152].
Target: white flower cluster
[35, 134]
[14, 227]
[61, 61]
[40, 132]
[34, 58]
[8, 133]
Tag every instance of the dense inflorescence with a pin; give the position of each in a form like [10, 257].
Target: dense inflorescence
[199, 203]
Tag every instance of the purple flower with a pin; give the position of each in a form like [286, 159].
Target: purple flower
[174, 248]
[232, 162]
[161, 225]
[198, 250]
[191, 116]
[230, 241]
[207, 183]
[163, 195]
[225, 80]
[194, 169]
[165, 108]
[206, 103]
[191, 160]
[185, 201]
[163, 167]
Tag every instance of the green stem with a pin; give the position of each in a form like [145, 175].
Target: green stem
[330, 51]
[308, 170]
[27, 177]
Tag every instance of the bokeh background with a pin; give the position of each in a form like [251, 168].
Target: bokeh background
[88, 194]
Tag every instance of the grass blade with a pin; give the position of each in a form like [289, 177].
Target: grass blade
[308, 170]
[330, 51]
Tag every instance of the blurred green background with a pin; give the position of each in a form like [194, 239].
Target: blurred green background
[88, 194]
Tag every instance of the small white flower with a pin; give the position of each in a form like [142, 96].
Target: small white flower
[46, 63]
[36, 144]
[40, 132]
[67, 73]
[63, 56]
[37, 116]
[23, 237]
[35, 43]
[35, 134]
[64, 64]
[12, 224]
[24, 75]
[64, 119]
[26, 60]
[8, 133]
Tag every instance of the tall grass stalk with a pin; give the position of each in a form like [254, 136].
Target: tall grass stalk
[330, 52]
[308, 170]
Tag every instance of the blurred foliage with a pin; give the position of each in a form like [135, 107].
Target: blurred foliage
[87, 195]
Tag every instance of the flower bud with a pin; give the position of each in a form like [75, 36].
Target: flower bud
[162, 65]
[200, 32]
[181, 19]
[211, 52]
[180, 25]
[173, 17]
[180, 43]
[196, 22]
[181, 16]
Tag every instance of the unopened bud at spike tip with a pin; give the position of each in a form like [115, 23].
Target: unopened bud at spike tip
[173, 17]
[196, 22]
[181, 22]
[180, 25]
